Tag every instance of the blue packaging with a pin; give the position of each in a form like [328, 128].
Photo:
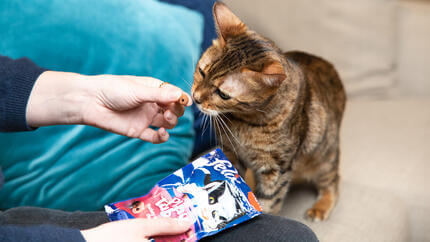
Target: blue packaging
[208, 191]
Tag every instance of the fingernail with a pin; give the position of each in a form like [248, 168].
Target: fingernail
[175, 94]
[169, 116]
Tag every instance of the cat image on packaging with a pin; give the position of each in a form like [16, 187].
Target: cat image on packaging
[219, 202]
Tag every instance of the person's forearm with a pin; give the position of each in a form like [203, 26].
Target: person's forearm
[58, 98]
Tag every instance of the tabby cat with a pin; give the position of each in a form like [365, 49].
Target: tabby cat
[277, 115]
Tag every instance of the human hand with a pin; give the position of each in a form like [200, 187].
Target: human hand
[135, 229]
[126, 105]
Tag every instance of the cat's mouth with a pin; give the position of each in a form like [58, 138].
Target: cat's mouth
[206, 111]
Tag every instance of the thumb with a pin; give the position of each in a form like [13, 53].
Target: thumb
[164, 226]
[158, 95]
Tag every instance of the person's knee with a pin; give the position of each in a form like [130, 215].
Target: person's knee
[283, 229]
[301, 232]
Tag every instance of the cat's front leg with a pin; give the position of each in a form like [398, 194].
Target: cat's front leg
[232, 157]
[272, 186]
[244, 172]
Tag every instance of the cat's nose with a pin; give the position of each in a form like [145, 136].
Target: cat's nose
[197, 98]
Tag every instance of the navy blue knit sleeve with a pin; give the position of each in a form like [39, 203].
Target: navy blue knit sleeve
[17, 78]
[40, 233]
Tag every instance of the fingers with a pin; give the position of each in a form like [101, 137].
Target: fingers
[164, 226]
[175, 108]
[138, 229]
[155, 136]
[169, 117]
[166, 120]
[149, 90]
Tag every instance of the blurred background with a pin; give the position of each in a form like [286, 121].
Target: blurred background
[381, 49]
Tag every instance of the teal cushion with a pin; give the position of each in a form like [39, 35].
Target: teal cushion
[81, 167]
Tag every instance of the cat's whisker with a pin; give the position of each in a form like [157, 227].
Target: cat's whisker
[229, 140]
[203, 120]
[209, 121]
[218, 130]
[225, 124]
[219, 127]
[225, 116]
[205, 124]
[232, 145]
[229, 130]
[210, 126]
[202, 125]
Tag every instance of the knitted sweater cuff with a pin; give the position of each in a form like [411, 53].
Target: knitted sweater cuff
[18, 78]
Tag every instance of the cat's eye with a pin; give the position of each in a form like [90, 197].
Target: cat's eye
[211, 200]
[222, 94]
[202, 73]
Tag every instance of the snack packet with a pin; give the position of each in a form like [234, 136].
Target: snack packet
[208, 191]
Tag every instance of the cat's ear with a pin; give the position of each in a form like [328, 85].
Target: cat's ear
[207, 179]
[272, 73]
[227, 23]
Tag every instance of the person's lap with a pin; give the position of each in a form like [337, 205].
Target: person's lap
[262, 228]
[267, 228]
[28, 216]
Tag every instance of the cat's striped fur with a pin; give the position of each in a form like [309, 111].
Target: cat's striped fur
[277, 114]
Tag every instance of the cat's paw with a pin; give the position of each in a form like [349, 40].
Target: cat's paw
[316, 214]
[269, 207]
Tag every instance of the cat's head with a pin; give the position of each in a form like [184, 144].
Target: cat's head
[240, 72]
[221, 205]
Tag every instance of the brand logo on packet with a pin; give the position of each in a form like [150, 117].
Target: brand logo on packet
[221, 166]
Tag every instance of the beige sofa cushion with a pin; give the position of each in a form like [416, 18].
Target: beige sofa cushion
[362, 214]
[413, 52]
[386, 145]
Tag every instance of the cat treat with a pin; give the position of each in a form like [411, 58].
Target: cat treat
[208, 191]
[183, 100]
